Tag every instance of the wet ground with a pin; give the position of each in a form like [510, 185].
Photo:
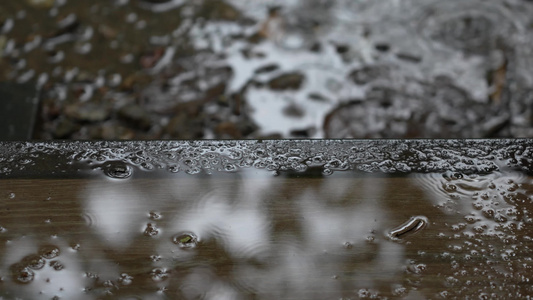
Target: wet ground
[174, 69]
[266, 220]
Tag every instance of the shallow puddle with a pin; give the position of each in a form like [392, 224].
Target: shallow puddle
[121, 231]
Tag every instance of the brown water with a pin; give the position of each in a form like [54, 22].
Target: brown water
[254, 234]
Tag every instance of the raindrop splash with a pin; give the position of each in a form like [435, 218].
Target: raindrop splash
[118, 170]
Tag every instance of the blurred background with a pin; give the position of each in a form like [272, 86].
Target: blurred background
[218, 69]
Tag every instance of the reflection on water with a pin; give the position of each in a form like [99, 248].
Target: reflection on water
[252, 235]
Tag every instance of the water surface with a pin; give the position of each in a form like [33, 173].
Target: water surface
[298, 219]
[252, 234]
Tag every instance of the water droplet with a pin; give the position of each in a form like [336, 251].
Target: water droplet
[370, 239]
[173, 168]
[186, 240]
[155, 257]
[57, 265]
[108, 284]
[230, 168]
[159, 274]
[485, 196]
[118, 170]
[450, 188]
[125, 279]
[399, 291]
[417, 268]
[153, 215]
[327, 172]
[367, 294]
[151, 230]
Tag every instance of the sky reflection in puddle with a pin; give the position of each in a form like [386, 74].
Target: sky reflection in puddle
[250, 234]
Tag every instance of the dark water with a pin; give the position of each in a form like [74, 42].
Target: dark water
[251, 234]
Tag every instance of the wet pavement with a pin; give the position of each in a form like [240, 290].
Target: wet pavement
[174, 69]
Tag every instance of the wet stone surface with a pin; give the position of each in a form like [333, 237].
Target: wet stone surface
[172, 69]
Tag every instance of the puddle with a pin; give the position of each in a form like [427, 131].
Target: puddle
[223, 222]
[146, 69]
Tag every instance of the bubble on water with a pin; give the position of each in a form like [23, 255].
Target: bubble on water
[327, 172]
[22, 274]
[370, 239]
[154, 215]
[450, 188]
[186, 240]
[147, 166]
[173, 168]
[11, 195]
[118, 170]
[399, 291]
[471, 219]
[57, 265]
[416, 268]
[151, 230]
[49, 252]
[371, 157]
[193, 171]
[34, 262]
[108, 283]
[230, 168]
